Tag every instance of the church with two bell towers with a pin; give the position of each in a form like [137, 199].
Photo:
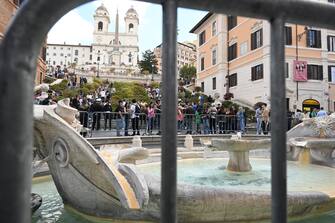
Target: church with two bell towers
[116, 51]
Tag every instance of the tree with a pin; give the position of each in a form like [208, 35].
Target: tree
[149, 62]
[187, 72]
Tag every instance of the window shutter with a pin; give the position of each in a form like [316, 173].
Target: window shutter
[328, 43]
[261, 37]
[289, 35]
[329, 74]
[320, 73]
[318, 39]
[252, 41]
[253, 73]
[307, 38]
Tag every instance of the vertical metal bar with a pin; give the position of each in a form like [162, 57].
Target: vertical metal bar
[278, 125]
[16, 124]
[169, 113]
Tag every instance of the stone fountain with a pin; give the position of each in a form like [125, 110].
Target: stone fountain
[239, 151]
[109, 183]
[313, 141]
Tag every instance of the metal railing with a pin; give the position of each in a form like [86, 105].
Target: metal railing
[97, 124]
[20, 48]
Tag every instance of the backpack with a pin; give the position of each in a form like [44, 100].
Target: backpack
[137, 110]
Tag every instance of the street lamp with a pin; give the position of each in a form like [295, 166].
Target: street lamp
[98, 59]
[152, 73]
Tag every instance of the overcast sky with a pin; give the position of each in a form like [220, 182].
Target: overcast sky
[77, 26]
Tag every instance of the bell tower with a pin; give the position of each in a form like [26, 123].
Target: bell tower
[131, 21]
[101, 19]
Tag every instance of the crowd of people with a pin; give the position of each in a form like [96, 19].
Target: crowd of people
[298, 116]
[131, 117]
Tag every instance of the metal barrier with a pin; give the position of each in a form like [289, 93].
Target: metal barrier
[19, 51]
[109, 124]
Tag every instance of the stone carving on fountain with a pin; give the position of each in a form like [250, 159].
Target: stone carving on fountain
[313, 141]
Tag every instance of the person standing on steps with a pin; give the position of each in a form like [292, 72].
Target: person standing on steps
[135, 116]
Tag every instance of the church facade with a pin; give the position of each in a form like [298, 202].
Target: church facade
[116, 50]
[110, 52]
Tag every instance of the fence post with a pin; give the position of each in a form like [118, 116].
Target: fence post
[169, 113]
[278, 125]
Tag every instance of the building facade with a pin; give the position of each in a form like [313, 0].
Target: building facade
[115, 52]
[7, 11]
[186, 55]
[67, 54]
[234, 60]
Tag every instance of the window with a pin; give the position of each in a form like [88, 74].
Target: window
[202, 86]
[331, 1]
[54, 54]
[54, 62]
[61, 54]
[243, 48]
[202, 38]
[232, 52]
[68, 54]
[98, 58]
[331, 74]
[313, 38]
[100, 26]
[314, 72]
[286, 70]
[130, 27]
[214, 56]
[214, 28]
[214, 83]
[129, 58]
[232, 80]
[288, 35]
[76, 52]
[256, 39]
[202, 63]
[331, 43]
[257, 72]
[232, 21]
[91, 57]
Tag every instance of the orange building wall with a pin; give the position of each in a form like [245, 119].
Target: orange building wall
[206, 51]
[7, 11]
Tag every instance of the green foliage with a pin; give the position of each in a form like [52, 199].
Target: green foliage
[197, 89]
[187, 72]
[97, 81]
[105, 82]
[48, 80]
[149, 62]
[155, 84]
[70, 93]
[59, 87]
[129, 91]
